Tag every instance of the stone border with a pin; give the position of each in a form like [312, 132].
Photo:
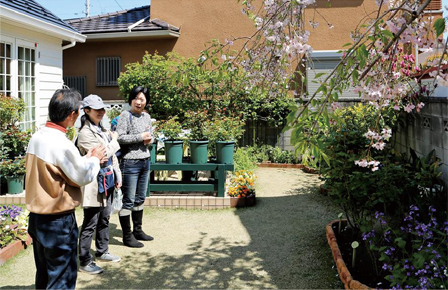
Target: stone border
[182, 200]
[280, 165]
[344, 273]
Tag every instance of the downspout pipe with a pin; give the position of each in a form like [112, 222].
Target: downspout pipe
[73, 43]
[130, 27]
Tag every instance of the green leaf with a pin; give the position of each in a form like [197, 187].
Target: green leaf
[347, 44]
[318, 75]
[439, 26]
[388, 34]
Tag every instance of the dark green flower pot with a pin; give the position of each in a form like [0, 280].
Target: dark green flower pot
[153, 150]
[15, 184]
[199, 151]
[224, 152]
[174, 152]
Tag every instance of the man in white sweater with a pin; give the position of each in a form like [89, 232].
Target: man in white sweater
[55, 172]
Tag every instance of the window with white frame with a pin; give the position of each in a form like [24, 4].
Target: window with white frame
[5, 68]
[26, 84]
[107, 71]
[18, 75]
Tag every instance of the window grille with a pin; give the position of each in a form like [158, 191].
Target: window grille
[107, 71]
[78, 83]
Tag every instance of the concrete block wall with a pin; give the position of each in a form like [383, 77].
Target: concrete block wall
[426, 131]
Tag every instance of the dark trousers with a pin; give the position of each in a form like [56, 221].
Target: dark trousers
[135, 173]
[96, 220]
[55, 240]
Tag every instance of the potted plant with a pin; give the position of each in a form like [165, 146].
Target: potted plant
[14, 172]
[197, 121]
[223, 133]
[242, 189]
[169, 131]
[14, 142]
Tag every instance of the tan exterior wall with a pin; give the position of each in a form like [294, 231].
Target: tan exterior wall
[199, 22]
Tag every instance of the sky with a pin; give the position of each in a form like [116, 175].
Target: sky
[66, 9]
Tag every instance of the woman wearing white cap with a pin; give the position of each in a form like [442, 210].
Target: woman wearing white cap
[97, 196]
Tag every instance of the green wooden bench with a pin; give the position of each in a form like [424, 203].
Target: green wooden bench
[216, 184]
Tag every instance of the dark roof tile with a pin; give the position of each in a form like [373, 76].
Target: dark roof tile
[35, 10]
[119, 21]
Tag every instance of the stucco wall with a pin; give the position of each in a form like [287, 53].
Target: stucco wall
[48, 64]
[201, 21]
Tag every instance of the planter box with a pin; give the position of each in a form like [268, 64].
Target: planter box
[13, 249]
[344, 273]
[243, 201]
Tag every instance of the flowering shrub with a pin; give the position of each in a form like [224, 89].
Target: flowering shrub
[242, 184]
[413, 255]
[11, 110]
[15, 142]
[13, 224]
[13, 168]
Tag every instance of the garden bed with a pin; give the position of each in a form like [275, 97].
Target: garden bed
[13, 249]
[362, 276]
[280, 165]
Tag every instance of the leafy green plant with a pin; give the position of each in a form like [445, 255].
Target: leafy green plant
[13, 224]
[278, 155]
[15, 142]
[197, 123]
[113, 112]
[13, 168]
[178, 85]
[170, 128]
[224, 129]
[11, 110]
[244, 160]
[71, 133]
[358, 190]
[413, 252]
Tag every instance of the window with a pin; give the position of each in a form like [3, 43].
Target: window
[5, 68]
[18, 75]
[27, 88]
[78, 83]
[107, 71]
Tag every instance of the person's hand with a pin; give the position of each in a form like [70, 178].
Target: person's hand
[114, 135]
[147, 138]
[98, 152]
[118, 185]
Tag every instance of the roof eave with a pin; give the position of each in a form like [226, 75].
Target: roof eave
[40, 25]
[133, 34]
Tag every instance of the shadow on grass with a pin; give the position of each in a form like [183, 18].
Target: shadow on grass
[287, 249]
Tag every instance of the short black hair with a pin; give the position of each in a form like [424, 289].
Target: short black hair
[137, 90]
[63, 103]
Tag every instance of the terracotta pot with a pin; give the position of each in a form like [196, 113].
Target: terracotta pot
[243, 201]
[344, 273]
[13, 249]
